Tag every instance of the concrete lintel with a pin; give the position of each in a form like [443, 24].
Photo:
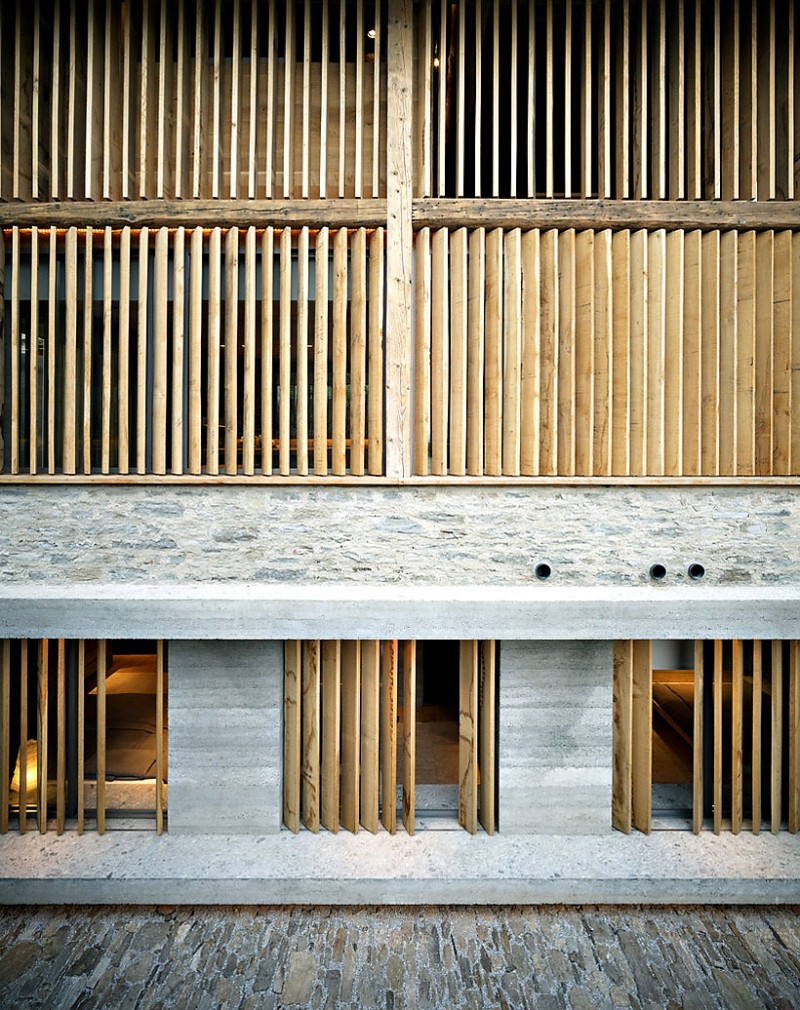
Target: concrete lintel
[255, 611]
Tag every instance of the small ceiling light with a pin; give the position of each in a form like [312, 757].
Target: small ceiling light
[436, 62]
[371, 33]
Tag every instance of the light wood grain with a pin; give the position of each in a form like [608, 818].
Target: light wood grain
[531, 363]
[23, 735]
[469, 678]
[331, 734]
[358, 351]
[737, 728]
[493, 355]
[376, 338]
[440, 352]
[409, 734]
[285, 354]
[161, 770]
[179, 356]
[794, 736]
[339, 353]
[81, 733]
[249, 363]
[422, 352]
[487, 703]
[457, 462]
[622, 737]
[42, 733]
[776, 732]
[311, 716]
[389, 682]
[351, 735]
[717, 719]
[213, 351]
[102, 668]
[370, 734]
[755, 761]
[292, 732]
[585, 332]
[512, 352]
[267, 338]
[697, 739]
[642, 736]
[301, 354]
[61, 736]
[321, 376]
[5, 732]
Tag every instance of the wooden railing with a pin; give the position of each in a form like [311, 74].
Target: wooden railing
[85, 699]
[744, 705]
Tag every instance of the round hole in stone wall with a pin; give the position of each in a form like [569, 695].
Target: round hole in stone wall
[658, 572]
[696, 571]
[543, 571]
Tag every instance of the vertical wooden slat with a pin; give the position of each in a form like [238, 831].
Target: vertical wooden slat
[697, 739]
[422, 349]
[755, 762]
[461, 126]
[765, 340]
[160, 769]
[199, 103]
[252, 105]
[641, 111]
[182, 55]
[358, 350]
[61, 737]
[674, 308]
[15, 351]
[123, 353]
[249, 373]
[549, 102]
[376, 105]
[375, 378]
[659, 155]
[638, 353]
[694, 108]
[358, 174]
[51, 348]
[604, 369]
[88, 305]
[164, 165]
[487, 711]
[311, 714]
[746, 354]
[642, 735]
[794, 736]
[588, 147]
[423, 119]
[321, 353]
[711, 336]
[101, 735]
[301, 354]
[493, 355]
[568, 70]
[21, 108]
[677, 103]
[478, 91]
[389, 736]
[351, 734]
[105, 404]
[622, 737]
[306, 127]
[292, 733]
[567, 323]
[216, 104]
[795, 399]
[339, 384]
[692, 354]
[621, 344]
[235, 112]
[440, 363]
[776, 748]
[737, 727]
[141, 352]
[331, 733]
[767, 113]
[495, 98]
[271, 103]
[178, 348]
[728, 358]
[585, 329]
[128, 88]
[81, 734]
[531, 100]
[70, 353]
[195, 408]
[717, 736]
[623, 106]
[731, 104]
[656, 350]
[782, 405]
[75, 121]
[531, 365]
[231, 350]
[512, 352]
[409, 733]
[285, 353]
[23, 736]
[267, 320]
[214, 332]
[33, 356]
[749, 105]
[56, 103]
[458, 351]
[42, 734]
[148, 101]
[370, 733]
[549, 353]
[468, 736]
[5, 733]
[161, 302]
[714, 158]
[342, 93]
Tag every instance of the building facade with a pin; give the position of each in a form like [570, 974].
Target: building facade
[400, 450]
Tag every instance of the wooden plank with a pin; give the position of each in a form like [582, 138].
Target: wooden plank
[641, 110]
[199, 102]
[285, 354]
[478, 92]
[271, 110]
[694, 107]
[782, 405]
[305, 189]
[33, 356]
[15, 353]
[106, 390]
[399, 241]
[42, 734]
[731, 104]
[324, 72]
[512, 352]
[377, 147]
[605, 123]
[331, 733]
[142, 353]
[235, 109]
[514, 102]
[88, 306]
[161, 771]
[370, 734]
[409, 733]
[674, 316]
[717, 716]
[375, 376]
[196, 313]
[164, 114]
[567, 332]
[642, 735]
[692, 354]
[678, 69]
[422, 351]
[697, 739]
[389, 681]
[776, 735]
[659, 154]
[639, 345]
[622, 737]
[23, 736]
[795, 456]
[51, 349]
[358, 174]
[493, 355]
[81, 734]
[620, 352]
[549, 353]
[267, 322]
[339, 356]
[351, 734]
[746, 354]
[253, 107]
[216, 104]
[468, 736]
[423, 120]
[585, 328]
[213, 351]
[531, 365]
[728, 356]
[161, 304]
[567, 100]
[588, 143]
[549, 103]
[249, 374]
[737, 728]
[5, 732]
[292, 733]
[656, 350]
[178, 410]
[148, 101]
[231, 358]
[457, 463]
[321, 353]
[495, 100]
[102, 664]
[123, 353]
[440, 359]
[461, 125]
[310, 773]
[181, 103]
[765, 339]
[301, 355]
[475, 350]
[602, 408]
[70, 353]
[342, 92]
[710, 355]
[794, 736]
[56, 106]
[767, 113]
[531, 100]
[22, 152]
[487, 703]
[755, 761]
[358, 351]
[623, 104]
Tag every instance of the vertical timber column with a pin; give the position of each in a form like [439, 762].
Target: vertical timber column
[225, 758]
[399, 239]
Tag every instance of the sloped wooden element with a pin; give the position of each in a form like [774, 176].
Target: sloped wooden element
[409, 734]
[292, 734]
[469, 676]
[331, 734]
[487, 709]
[622, 737]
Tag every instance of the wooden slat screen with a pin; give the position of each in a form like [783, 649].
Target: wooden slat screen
[592, 353]
[631, 99]
[60, 705]
[745, 738]
[170, 99]
[186, 352]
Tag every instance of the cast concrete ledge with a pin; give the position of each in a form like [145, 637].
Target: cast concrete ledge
[432, 866]
[257, 611]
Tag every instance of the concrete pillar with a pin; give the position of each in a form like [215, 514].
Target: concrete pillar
[225, 737]
[554, 773]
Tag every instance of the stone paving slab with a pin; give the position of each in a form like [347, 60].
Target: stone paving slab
[666, 958]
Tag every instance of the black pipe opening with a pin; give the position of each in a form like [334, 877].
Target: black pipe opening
[658, 572]
[543, 571]
[696, 571]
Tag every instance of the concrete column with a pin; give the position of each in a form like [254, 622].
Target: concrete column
[225, 737]
[555, 737]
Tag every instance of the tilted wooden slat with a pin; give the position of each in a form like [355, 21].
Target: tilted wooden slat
[292, 733]
[311, 716]
[42, 733]
[440, 358]
[321, 354]
[487, 709]
[409, 734]
[717, 717]
[161, 771]
[737, 728]
[102, 667]
[776, 720]
[351, 735]
[622, 737]
[5, 732]
[697, 739]
[61, 736]
[331, 734]
[755, 761]
[468, 735]
[370, 734]
[23, 736]
[642, 735]
[389, 683]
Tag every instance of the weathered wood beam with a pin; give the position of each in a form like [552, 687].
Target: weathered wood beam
[599, 214]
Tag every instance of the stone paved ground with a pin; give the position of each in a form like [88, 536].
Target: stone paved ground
[649, 958]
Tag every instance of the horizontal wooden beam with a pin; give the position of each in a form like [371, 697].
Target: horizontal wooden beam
[617, 215]
[192, 213]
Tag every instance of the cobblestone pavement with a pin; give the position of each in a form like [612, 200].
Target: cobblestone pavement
[552, 957]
